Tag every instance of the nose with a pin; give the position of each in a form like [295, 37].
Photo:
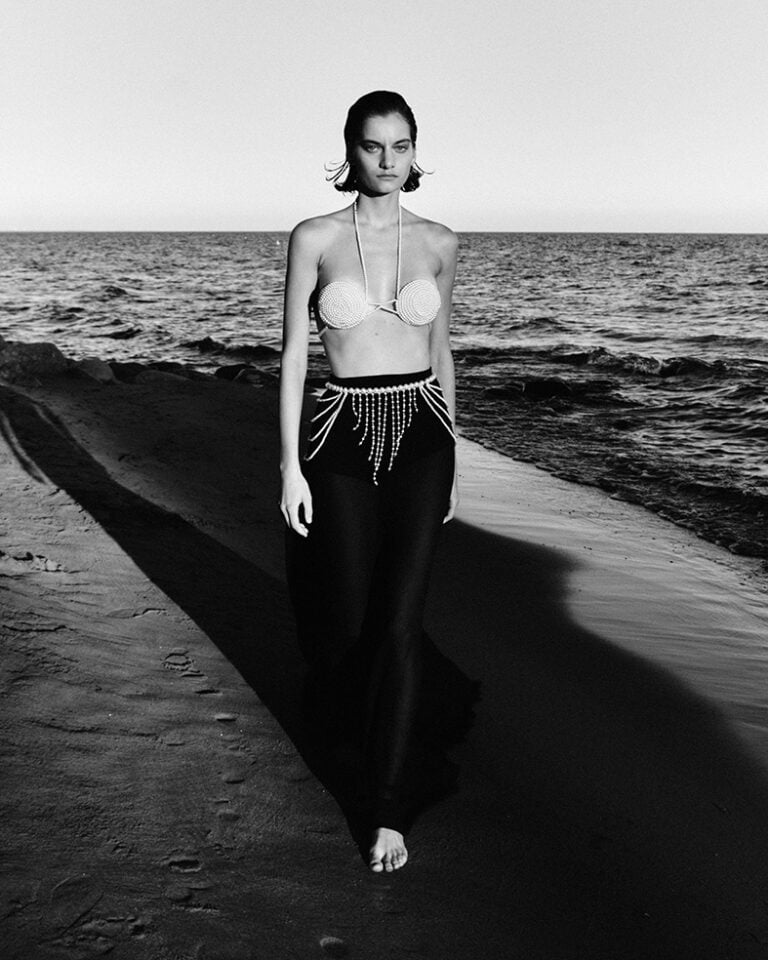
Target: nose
[387, 159]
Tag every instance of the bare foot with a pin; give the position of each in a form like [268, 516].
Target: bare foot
[387, 851]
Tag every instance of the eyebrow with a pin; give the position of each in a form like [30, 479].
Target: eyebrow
[379, 144]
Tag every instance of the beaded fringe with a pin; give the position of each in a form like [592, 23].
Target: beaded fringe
[381, 413]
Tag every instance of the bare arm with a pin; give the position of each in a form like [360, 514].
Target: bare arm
[301, 278]
[440, 354]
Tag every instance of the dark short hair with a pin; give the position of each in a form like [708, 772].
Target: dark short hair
[379, 103]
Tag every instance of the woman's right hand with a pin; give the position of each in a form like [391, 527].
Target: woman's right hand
[294, 496]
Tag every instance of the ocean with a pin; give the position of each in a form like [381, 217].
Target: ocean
[634, 362]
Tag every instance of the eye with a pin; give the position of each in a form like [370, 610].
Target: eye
[402, 147]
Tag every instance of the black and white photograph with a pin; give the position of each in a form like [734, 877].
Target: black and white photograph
[383, 480]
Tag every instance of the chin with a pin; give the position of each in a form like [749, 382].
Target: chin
[383, 187]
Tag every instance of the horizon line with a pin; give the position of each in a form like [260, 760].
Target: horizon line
[691, 233]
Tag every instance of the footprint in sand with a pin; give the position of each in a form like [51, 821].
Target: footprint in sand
[223, 833]
[23, 561]
[183, 891]
[234, 775]
[84, 944]
[198, 885]
[334, 947]
[178, 661]
[183, 862]
[71, 899]
[184, 897]
[225, 717]
[173, 738]
[227, 816]
[101, 931]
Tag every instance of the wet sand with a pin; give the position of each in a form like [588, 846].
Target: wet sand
[156, 798]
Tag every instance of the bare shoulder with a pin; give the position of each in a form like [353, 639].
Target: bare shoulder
[317, 232]
[439, 237]
[440, 240]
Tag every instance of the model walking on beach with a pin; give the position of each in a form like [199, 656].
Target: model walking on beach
[377, 479]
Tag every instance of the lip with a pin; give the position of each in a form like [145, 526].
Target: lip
[386, 176]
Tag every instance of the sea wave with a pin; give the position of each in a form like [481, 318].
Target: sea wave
[127, 333]
[676, 366]
[249, 351]
[594, 392]
[606, 359]
[112, 292]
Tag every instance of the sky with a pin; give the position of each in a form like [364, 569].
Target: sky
[535, 115]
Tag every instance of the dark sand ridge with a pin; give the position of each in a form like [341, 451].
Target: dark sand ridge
[155, 802]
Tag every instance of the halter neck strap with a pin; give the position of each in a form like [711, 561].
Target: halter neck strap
[362, 258]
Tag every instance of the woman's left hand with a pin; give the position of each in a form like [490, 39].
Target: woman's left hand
[453, 501]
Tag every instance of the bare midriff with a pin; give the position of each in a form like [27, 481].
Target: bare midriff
[382, 343]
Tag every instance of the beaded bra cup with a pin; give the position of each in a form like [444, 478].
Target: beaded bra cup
[342, 304]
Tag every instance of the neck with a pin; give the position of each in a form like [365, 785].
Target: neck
[379, 211]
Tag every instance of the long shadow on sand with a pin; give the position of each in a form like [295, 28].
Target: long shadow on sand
[613, 812]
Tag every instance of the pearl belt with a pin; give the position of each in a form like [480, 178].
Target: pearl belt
[382, 413]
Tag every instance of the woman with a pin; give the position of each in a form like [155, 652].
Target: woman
[378, 477]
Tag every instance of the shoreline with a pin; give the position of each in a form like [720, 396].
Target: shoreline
[531, 430]
[582, 430]
[612, 792]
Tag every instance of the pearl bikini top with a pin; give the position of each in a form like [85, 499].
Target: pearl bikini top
[342, 304]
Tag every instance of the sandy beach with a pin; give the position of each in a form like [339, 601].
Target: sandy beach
[157, 800]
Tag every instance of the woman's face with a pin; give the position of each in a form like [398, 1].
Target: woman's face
[384, 153]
